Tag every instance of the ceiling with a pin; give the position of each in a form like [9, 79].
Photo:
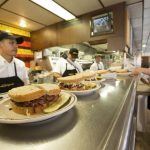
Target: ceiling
[146, 27]
[136, 14]
[12, 11]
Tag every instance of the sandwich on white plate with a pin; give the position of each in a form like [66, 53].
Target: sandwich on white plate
[123, 72]
[75, 83]
[88, 75]
[36, 99]
[99, 72]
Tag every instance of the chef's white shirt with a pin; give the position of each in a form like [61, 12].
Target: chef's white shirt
[7, 69]
[97, 66]
[61, 66]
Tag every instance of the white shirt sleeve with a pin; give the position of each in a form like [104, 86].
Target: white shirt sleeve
[93, 68]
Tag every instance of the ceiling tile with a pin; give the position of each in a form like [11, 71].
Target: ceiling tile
[28, 9]
[133, 10]
[79, 7]
[137, 36]
[144, 41]
[147, 49]
[111, 2]
[146, 25]
[1, 1]
[146, 28]
[131, 1]
[13, 19]
[146, 22]
[146, 12]
[146, 3]
[146, 32]
[136, 22]
[148, 44]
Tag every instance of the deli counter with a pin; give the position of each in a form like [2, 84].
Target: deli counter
[103, 120]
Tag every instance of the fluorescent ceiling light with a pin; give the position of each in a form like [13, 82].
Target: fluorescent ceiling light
[55, 8]
[144, 45]
[8, 31]
[23, 24]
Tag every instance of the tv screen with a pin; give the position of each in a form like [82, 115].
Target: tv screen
[102, 24]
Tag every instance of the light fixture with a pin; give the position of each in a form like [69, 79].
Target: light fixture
[54, 8]
[22, 23]
[144, 45]
[8, 31]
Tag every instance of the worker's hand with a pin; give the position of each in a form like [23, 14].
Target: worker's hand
[136, 71]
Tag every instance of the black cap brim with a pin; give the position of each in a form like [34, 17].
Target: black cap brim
[19, 40]
[5, 35]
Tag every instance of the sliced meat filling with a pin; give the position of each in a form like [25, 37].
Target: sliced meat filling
[40, 101]
[71, 86]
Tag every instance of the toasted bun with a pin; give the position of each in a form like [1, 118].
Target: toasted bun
[122, 71]
[101, 71]
[88, 74]
[25, 93]
[28, 110]
[71, 79]
[50, 89]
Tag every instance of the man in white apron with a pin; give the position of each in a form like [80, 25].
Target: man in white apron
[97, 65]
[68, 65]
[13, 72]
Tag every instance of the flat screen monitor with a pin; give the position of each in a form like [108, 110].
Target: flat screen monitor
[102, 24]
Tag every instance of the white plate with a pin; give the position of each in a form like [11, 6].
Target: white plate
[9, 117]
[124, 74]
[84, 92]
[97, 81]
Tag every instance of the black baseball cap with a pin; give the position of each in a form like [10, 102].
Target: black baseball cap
[6, 35]
[74, 52]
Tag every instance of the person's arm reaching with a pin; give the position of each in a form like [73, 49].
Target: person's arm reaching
[137, 71]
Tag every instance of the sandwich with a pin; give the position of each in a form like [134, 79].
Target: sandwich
[32, 99]
[74, 82]
[121, 70]
[99, 72]
[88, 75]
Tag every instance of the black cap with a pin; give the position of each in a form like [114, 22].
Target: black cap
[5, 35]
[74, 52]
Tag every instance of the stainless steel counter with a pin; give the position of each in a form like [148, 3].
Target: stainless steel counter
[101, 121]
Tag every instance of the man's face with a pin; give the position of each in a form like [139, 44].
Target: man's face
[71, 57]
[98, 59]
[8, 47]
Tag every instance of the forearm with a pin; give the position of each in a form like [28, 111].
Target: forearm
[145, 71]
[137, 71]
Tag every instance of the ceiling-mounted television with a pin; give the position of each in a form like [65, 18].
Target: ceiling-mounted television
[102, 24]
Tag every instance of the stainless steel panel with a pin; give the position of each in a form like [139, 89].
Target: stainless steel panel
[96, 121]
